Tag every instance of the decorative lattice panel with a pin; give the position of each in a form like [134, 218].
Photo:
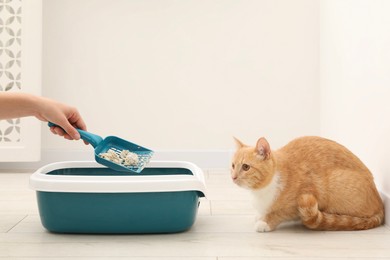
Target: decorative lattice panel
[20, 71]
[10, 61]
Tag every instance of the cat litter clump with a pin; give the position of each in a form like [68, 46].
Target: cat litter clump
[125, 157]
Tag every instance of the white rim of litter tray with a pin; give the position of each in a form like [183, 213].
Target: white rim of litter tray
[41, 181]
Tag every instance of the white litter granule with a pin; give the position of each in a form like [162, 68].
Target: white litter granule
[129, 158]
[125, 157]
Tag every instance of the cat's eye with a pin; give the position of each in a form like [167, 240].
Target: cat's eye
[233, 166]
[245, 167]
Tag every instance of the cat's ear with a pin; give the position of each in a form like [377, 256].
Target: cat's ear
[263, 148]
[238, 143]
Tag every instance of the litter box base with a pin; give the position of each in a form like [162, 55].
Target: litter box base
[118, 213]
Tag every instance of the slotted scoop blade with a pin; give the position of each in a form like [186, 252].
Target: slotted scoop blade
[117, 145]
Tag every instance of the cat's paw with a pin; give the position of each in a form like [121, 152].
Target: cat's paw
[262, 226]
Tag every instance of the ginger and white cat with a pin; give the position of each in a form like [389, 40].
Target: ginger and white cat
[311, 178]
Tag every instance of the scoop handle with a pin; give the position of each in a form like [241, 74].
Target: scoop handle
[93, 139]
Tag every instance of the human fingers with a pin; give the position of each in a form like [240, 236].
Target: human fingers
[66, 130]
[70, 131]
[77, 121]
[57, 130]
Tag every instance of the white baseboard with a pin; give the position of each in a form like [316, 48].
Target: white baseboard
[204, 159]
[386, 200]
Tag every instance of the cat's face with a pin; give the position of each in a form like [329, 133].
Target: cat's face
[252, 167]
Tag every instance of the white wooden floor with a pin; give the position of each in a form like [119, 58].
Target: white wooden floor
[223, 231]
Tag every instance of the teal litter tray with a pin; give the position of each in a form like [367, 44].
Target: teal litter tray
[84, 197]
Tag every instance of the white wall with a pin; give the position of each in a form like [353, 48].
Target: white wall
[355, 80]
[185, 75]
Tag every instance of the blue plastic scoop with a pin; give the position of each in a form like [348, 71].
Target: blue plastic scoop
[113, 144]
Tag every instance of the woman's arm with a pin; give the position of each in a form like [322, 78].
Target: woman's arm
[14, 105]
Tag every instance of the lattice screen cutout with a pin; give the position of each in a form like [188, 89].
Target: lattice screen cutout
[10, 62]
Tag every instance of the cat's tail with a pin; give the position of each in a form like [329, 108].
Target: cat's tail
[315, 219]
